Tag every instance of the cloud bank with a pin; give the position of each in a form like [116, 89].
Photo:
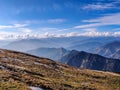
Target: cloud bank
[9, 36]
[102, 6]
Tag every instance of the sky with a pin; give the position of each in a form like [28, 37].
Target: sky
[59, 18]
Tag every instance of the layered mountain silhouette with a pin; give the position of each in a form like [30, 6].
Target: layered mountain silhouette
[29, 44]
[79, 59]
[91, 61]
[111, 50]
[52, 53]
[86, 46]
[72, 43]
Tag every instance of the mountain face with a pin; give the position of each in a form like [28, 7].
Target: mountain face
[51, 53]
[111, 50]
[91, 61]
[87, 46]
[65, 58]
[116, 55]
[21, 71]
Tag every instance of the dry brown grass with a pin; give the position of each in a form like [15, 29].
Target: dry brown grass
[26, 69]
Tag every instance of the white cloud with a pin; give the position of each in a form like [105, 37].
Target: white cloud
[72, 34]
[4, 27]
[19, 25]
[47, 29]
[25, 30]
[65, 29]
[112, 19]
[42, 21]
[94, 33]
[58, 20]
[88, 25]
[102, 6]
[90, 29]
[12, 26]
[116, 33]
[54, 30]
[13, 35]
[98, 6]
[108, 19]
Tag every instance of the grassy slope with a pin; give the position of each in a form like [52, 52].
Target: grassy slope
[18, 70]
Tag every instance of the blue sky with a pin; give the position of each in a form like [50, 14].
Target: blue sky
[59, 17]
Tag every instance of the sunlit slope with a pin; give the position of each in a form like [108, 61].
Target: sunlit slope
[26, 70]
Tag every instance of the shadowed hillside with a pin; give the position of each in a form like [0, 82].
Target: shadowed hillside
[91, 61]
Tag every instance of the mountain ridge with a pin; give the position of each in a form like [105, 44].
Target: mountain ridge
[109, 50]
[79, 59]
[91, 61]
[52, 53]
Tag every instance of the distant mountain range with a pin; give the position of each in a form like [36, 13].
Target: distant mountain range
[79, 59]
[29, 44]
[111, 50]
[88, 44]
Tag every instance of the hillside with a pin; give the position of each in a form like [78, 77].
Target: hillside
[91, 61]
[51, 53]
[116, 55]
[110, 50]
[86, 46]
[79, 59]
[19, 70]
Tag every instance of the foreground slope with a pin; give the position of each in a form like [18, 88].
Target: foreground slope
[20, 70]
